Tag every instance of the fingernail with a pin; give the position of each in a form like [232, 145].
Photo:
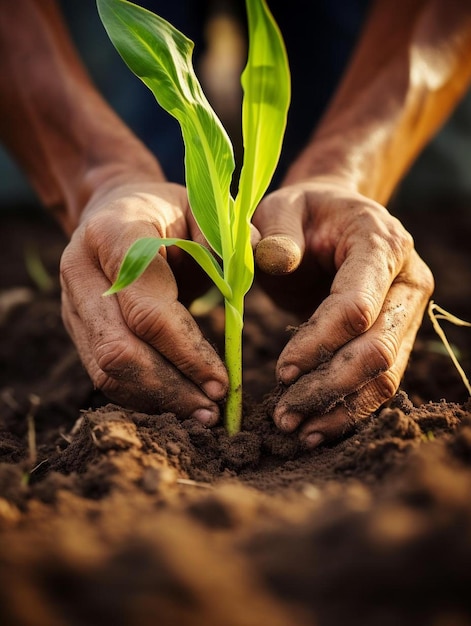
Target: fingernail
[289, 373]
[206, 416]
[287, 423]
[214, 390]
[313, 440]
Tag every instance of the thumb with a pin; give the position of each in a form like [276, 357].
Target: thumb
[279, 221]
[278, 255]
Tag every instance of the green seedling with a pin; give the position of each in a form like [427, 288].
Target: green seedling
[34, 402]
[161, 57]
[436, 313]
[37, 270]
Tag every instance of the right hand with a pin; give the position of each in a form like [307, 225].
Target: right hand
[141, 347]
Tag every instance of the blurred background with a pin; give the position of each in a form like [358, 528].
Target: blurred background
[327, 36]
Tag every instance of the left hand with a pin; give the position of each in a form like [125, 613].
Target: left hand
[364, 290]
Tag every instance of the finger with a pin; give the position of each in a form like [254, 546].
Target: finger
[343, 418]
[357, 296]
[370, 366]
[277, 255]
[138, 378]
[125, 367]
[279, 220]
[152, 313]
[255, 236]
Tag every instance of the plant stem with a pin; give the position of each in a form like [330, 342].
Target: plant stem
[233, 358]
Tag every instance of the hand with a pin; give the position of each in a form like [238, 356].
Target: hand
[141, 347]
[349, 357]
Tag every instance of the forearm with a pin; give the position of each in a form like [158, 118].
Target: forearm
[411, 67]
[62, 133]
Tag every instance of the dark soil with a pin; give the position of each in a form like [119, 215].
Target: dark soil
[113, 517]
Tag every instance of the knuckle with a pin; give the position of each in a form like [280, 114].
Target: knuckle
[357, 315]
[369, 399]
[388, 236]
[102, 380]
[114, 354]
[400, 240]
[106, 240]
[398, 245]
[380, 355]
[386, 386]
[145, 318]
[103, 244]
[105, 383]
[418, 276]
[94, 227]
[401, 245]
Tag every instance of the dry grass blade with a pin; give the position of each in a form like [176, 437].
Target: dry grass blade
[436, 313]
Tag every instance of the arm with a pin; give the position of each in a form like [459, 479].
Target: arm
[409, 71]
[410, 68]
[54, 122]
[106, 190]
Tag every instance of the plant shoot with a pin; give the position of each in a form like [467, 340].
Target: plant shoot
[161, 56]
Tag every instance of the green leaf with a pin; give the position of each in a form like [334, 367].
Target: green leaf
[267, 92]
[142, 252]
[161, 56]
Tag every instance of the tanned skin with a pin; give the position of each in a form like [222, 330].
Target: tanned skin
[141, 346]
[411, 67]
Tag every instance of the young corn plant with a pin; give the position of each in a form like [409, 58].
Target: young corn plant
[161, 57]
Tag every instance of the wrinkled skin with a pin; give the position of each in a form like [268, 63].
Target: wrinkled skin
[349, 355]
[345, 360]
[361, 289]
[139, 346]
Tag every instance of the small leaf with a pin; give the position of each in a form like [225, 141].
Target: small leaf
[161, 56]
[267, 92]
[143, 251]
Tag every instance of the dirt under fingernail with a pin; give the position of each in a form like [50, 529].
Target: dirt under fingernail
[313, 440]
[286, 423]
[112, 515]
[289, 374]
[206, 416]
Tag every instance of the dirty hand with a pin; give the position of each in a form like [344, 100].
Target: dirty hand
[141, 347]
[348, 358]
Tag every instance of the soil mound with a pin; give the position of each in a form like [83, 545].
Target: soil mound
[113, 516]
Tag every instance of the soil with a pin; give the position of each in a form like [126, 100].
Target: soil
[108, 516]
